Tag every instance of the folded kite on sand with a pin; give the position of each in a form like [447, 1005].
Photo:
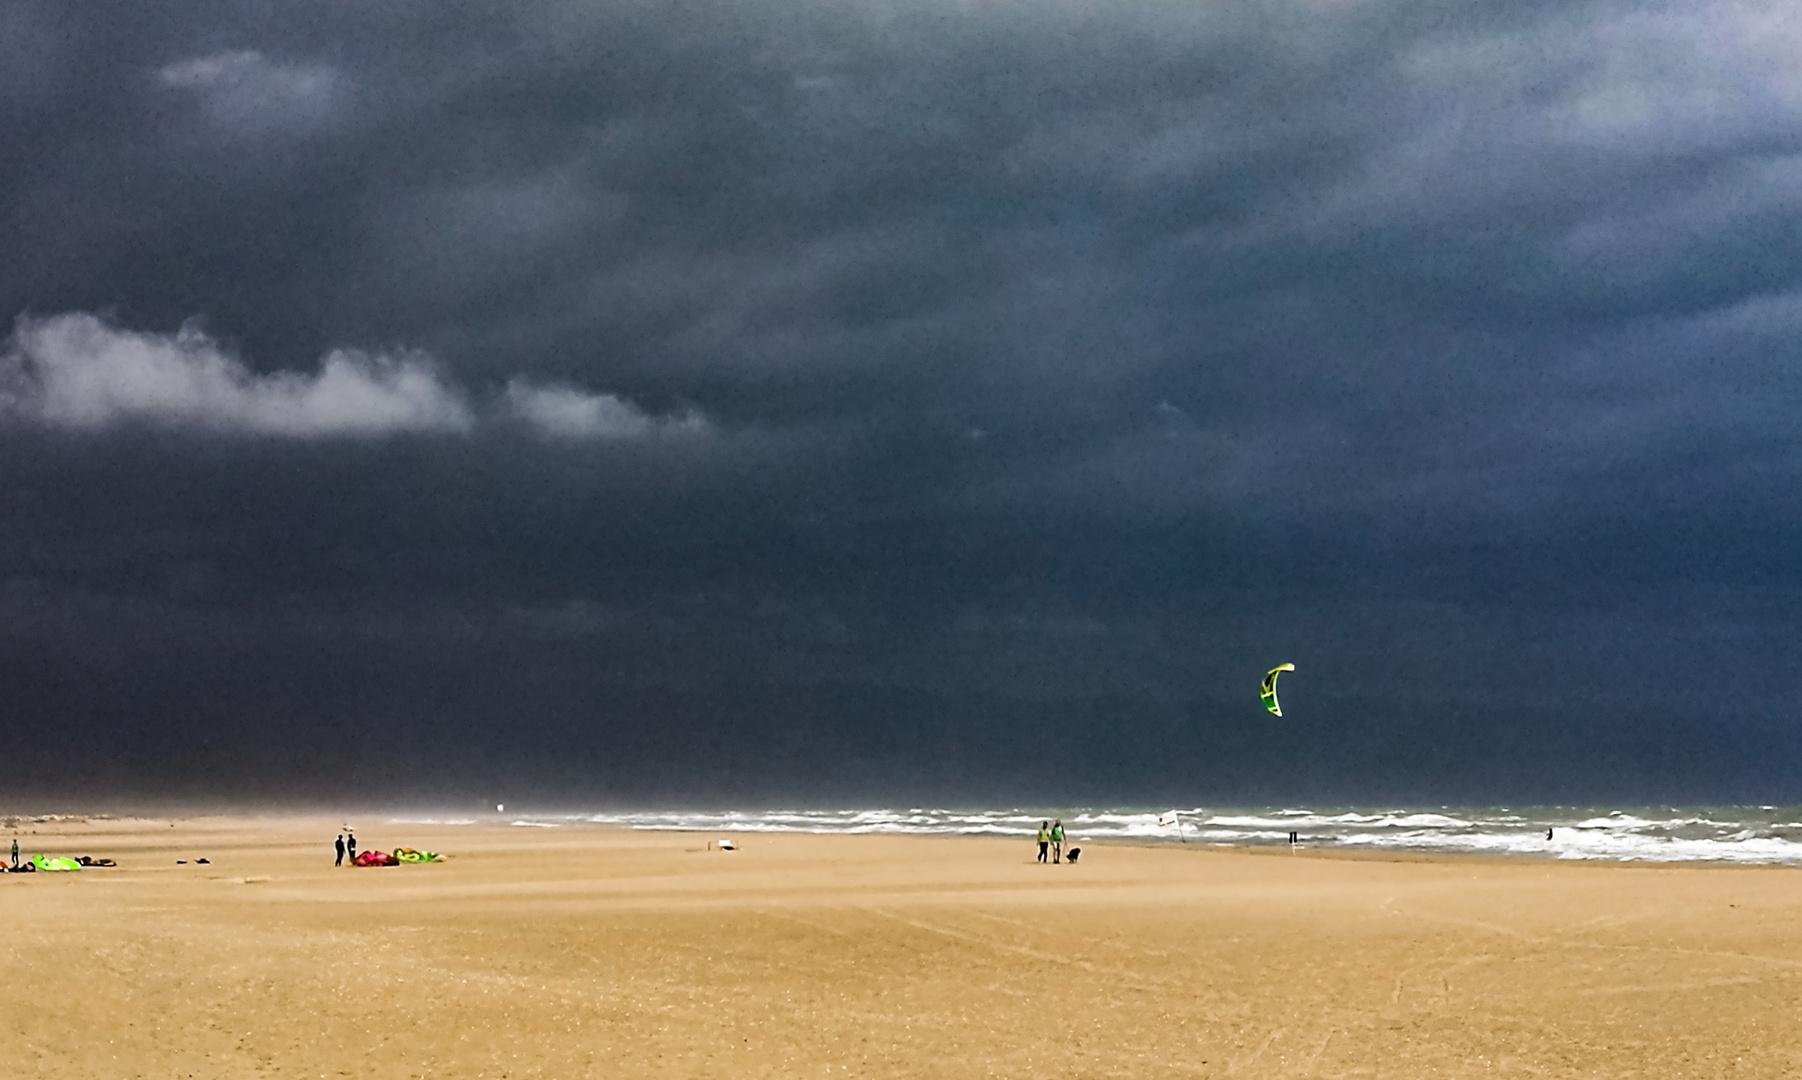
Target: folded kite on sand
[401, 855]
[54, 862]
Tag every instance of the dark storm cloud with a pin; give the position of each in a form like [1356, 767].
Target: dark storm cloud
[819, 398]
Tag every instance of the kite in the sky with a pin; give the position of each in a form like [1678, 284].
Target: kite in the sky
[1268, 693]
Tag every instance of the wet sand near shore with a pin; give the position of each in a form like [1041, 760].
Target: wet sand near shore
[596, 952]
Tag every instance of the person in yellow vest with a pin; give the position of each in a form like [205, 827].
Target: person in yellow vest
[1057, 841]
[1044, 839]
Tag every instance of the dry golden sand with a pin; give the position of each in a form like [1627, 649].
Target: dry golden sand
[590, 952]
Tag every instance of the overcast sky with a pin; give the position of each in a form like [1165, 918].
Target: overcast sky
[751, 401]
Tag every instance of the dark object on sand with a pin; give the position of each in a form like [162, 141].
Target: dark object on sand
[1070, 856]
[204, 861]
[181, 862]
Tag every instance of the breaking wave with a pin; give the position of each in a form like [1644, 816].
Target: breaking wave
[1752, 835]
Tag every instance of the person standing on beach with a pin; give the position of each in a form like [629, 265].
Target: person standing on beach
[1044, 838]
[339, 844]
[1057, 841]
[350, 846]
[15, 853]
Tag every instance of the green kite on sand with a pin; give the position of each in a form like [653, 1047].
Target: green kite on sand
[54, 862]
[1268, 693]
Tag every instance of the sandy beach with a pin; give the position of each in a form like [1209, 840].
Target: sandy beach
[590, 952]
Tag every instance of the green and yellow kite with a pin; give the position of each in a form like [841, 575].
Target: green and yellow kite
[1268, 693]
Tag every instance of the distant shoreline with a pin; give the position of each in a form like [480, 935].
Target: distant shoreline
[743, 824]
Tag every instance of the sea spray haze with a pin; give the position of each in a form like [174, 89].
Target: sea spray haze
[814, 403]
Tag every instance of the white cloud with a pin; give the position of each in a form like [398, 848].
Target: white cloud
[568, 413]
[77, 372]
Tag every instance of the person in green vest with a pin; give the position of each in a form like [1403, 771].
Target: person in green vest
[1044, 839]
[1057, 841]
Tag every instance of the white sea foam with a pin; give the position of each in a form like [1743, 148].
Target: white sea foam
[1753, 835]
[430, 821]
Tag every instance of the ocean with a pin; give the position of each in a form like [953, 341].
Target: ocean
[1762, 835]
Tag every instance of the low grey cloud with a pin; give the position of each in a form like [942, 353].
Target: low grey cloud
[246, 90]
[565, 412]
